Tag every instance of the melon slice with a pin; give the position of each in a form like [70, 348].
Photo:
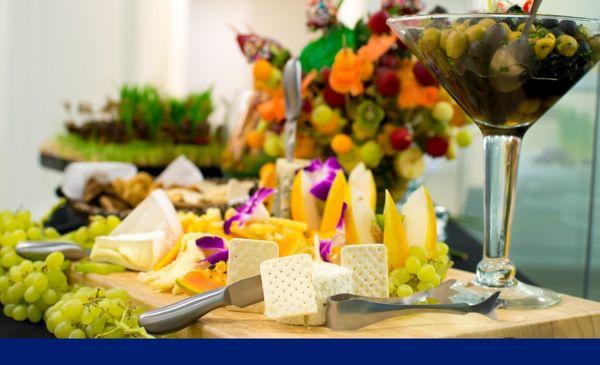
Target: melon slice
[362, 179]
[334, 202]
[420, 221]
[394, 234]
[360, 221]
[199, 281]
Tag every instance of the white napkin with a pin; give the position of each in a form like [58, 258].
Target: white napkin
[77, 174]
[181, 172]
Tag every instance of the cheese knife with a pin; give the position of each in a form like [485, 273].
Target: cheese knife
[292, 79]
[38, 250]
[179, 315]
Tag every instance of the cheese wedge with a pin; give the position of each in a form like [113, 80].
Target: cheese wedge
[328, 279]
[155, 213]
[136, 251]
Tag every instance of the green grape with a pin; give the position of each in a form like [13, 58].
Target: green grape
[29, 279]
[15, 274]
[38, 265]
[33, 313]
[51, 233]
[31, 295]
[24, 217]
[40, 282]
[404, 291]
[35, 233]
[50, 296]
[437, 279]
[9, 260]
[4, 283]
[26, 267]
[54, 260]
[77, 333]
[72, 310]
[441, 249]
[418, 252]
[97, 228]
[6, 249]
[101, 268]
[19, 313]
[322, 114]
[53, 320]
[400, 276]
[424, 286]
[2, 271]
[85, 293]
[112, 222]
[18, 236]
[87, 316]
[117, 293]
[81, 235]
[56, 279]
[10, 224]
[8, 309]
[63, 329]
[43, 307]
[463, 138]
[5, 240]
[115, 310]
[413, 265]
[441, 259]
[96, 327]
[427, 273]
[442, 111]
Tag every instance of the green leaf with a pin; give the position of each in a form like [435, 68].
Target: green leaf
[362, 33]
[321, 52]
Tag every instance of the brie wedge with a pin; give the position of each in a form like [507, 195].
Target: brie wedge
[136, 251]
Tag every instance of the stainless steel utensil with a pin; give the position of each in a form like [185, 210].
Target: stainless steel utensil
[38, 250]
[179, 315]
[350, 312]
[292, 79]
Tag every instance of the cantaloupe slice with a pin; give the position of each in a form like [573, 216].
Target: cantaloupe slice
[199, 281]
[420, 221]
[304, 206]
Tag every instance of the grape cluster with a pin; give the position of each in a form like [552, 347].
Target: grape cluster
[18, 226]
[99, 226]
[421, 271]
[95, 313]
[28, 289]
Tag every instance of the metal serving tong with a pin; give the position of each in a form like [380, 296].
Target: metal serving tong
[350, 312]
[344, 311]
[38, 250]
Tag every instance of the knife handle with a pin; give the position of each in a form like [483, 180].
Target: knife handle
[39, 250]
[179, 315]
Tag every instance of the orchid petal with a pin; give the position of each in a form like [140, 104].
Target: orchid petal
[252, 208]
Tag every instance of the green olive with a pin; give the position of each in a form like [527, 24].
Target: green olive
[521, 26]
[582, 32]
[475, 32]
[543, 47]
[443, 37]
[430, 39]
[529, 106]
[566, 45]
[487, 22]
[595, 43]
[456, 44]
[513, 36]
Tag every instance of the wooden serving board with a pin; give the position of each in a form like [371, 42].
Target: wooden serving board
[573, 317]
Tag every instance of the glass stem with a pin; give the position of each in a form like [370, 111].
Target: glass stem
[501, 165]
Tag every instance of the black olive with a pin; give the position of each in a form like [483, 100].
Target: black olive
[515, 9]
[568, 26]
[549, 23]
[494, 36]
[584, 50]
[438, 10]
[557, 32]
[511, 22]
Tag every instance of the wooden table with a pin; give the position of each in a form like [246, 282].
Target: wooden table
[573, 317]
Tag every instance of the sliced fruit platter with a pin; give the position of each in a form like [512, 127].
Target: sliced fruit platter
[340, 246]
[141, 126]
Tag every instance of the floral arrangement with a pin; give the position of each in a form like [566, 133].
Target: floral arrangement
[365, 99]
[143, 127]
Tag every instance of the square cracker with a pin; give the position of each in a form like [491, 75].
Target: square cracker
[368, 263]
[244, 261]
[245, 257]
[288, 287]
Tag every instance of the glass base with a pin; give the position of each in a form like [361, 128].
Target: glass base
[518, 296]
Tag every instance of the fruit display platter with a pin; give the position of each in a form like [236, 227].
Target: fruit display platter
[575, 318]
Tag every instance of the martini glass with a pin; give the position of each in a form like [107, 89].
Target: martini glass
[505, 82]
